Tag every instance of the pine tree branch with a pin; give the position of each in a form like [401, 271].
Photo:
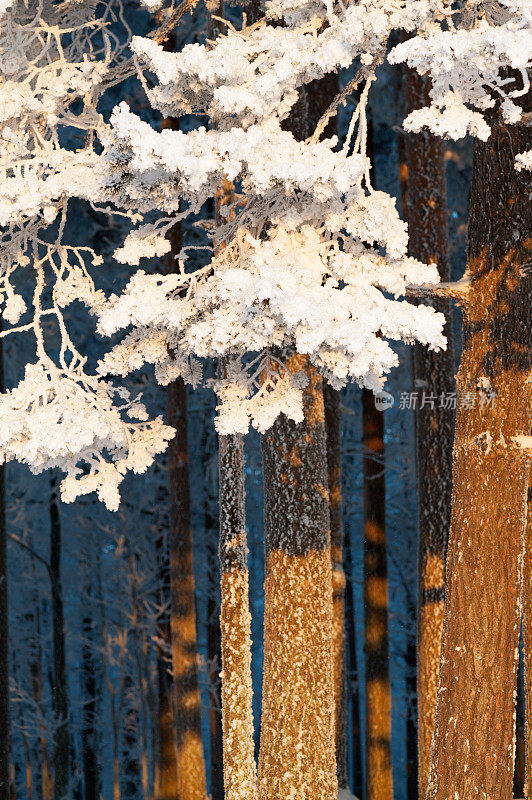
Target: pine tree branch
[128, 68]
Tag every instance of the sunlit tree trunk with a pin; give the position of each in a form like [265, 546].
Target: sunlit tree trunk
[59, 682]
[191, 783]
[332, 424]
[320, 94]
[527, 641]
[240, 774]
[473, 747]
[209, 455]
[191, 778]
[433, 373]
[297, 750]
[379, 779]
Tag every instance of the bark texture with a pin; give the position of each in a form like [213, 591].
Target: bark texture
[473, 749]
[433, 374]
[4, 630]
[297, 752]
[527, 641]
[379, 779]
[353, 677]
[191, 782]
[59, 683]
[334, 468]
[240, 772]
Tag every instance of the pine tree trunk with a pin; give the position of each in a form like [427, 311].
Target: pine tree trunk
[379, 779]
[167, 769]
[191, 783]
[297, 752]
[130, 773]
[320, 94]
[4, 630]
[473, 749]
[209, 446]
[90, 681]
[59, 685]
[433, 374]
[334, 467]
[353, 677]
[89, 733]
[240, 773]
[527, 641]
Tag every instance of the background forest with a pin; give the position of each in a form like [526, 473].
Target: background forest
[92, 704]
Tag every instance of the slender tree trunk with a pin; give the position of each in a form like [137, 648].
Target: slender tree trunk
[334, 467]
[240, 773]
[91, 684]
[191, 784]
[379, 779]
[527, 641]
[191, 779]
[37, 683]
[433, 372]
[297, 752]
[320, 94]
[214, 646]
[59, 692]
[473, 747]
[4, 629]
[166, 787]
[131, 768]
[353, 677]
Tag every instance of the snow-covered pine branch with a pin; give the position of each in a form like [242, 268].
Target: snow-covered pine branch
[314, 258]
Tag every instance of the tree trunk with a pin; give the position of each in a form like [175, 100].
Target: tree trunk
[191, 783]
[334, 467]
[91, 684]
[433, 374]
[353, 682]
[240, 773]
[320, 94]
[131, 769]
[379, 779]
[59, 685]
[473, 747]
[297, 752]
[4, 630]
[527, 641]
[209, 447]
[191, 779]
[167, 769]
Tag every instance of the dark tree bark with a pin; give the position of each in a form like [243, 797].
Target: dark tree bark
[423, 176]
[379, 779]
[59, 684]
[527, 642]
[5, 750]
[91, 680]
[297, 750]
[214, 646]
[473, 747]
[130, 774]
[240, 772]
[166, 738]
[353, 682]
[191, 784]
[320, 94]
[334, 467]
